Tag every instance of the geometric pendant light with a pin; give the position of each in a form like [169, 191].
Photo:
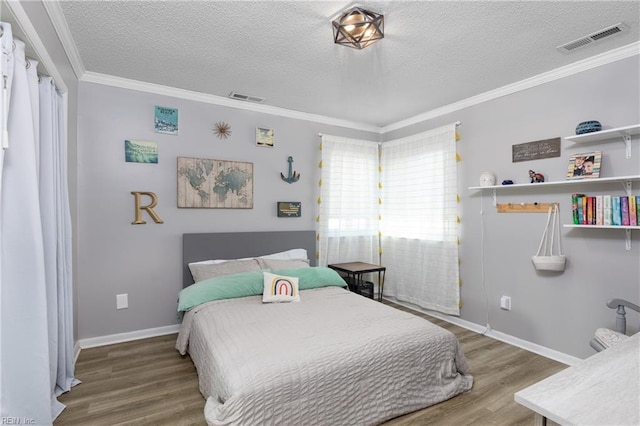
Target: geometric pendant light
[358, 28]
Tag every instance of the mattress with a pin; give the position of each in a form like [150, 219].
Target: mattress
[334, 358]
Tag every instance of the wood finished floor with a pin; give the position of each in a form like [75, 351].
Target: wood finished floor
[146, 382]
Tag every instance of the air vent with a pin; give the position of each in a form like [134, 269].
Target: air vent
[591, 38]
[246, 98]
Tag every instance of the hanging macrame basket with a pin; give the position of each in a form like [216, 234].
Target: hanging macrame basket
[545, 259]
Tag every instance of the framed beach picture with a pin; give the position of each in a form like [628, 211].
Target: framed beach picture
[166, 120]
[264, 137]
[585, 165]
[140, 152]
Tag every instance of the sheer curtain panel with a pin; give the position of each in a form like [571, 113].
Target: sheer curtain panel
[396, 205]
[36, 337]
[348, 202]
[420, 219]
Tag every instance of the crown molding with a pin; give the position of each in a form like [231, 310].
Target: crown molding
[64, 34]
[568, 70]
[57, 18]
[33, 39]
[159, 89]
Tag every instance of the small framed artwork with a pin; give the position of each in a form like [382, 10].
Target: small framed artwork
[289, 209]
[140, 152]
[166, 120]
[264, 137]
[585, 165]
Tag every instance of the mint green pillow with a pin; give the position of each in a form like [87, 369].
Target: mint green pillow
[314, 277]
[218, 288]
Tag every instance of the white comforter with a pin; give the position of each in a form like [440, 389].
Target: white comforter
[334, 358]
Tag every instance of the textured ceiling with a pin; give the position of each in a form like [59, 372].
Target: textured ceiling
[433, 53]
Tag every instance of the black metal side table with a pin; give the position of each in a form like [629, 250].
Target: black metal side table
[355, 271]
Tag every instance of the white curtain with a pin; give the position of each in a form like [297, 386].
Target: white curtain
[420, 220]
[348, 203]
[36, 349]
[396, 206]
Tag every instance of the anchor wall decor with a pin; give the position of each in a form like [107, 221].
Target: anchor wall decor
[293, 176]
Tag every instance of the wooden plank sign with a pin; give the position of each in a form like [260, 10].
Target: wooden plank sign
[546, 148]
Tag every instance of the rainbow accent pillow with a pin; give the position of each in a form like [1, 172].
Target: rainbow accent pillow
[280, 288]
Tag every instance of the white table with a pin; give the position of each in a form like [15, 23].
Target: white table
[603, 389]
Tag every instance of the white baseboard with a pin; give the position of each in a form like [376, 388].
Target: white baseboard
[503, 337]
[93, 342]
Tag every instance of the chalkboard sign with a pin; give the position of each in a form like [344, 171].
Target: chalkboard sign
[547, 148]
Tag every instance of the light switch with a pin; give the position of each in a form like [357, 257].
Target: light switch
[505, 303]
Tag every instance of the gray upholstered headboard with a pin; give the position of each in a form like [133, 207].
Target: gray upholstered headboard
[235, 245]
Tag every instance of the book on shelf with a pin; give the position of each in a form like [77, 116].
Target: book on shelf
[599, 210]
[576, 210]
[633, 210]
[580, 209]
[624, 210]
[616, 213]
[606, 201]
[590, 209]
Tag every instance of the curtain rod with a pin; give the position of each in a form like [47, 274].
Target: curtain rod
[457, 123]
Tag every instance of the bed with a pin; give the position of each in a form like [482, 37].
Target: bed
[333, 358]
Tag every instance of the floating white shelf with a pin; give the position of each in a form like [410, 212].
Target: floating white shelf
[601, 226]
[621, 132]
[627, 231]
[623, 179]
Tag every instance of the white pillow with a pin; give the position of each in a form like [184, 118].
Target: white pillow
[279, 288]
[288, 254]
[217, 261]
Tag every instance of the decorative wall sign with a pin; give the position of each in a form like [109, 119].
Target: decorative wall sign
[264, 137]
[222, 130]
[214, 184]
[166, 120]
[148, 208]
[289, 209]
[140, 152]
[547, 148]
[293, 176]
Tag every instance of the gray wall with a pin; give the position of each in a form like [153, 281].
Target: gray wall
[558, 311]
[144, 261]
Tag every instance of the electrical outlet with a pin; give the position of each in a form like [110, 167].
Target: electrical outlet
[122, 301]
[505, 303]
